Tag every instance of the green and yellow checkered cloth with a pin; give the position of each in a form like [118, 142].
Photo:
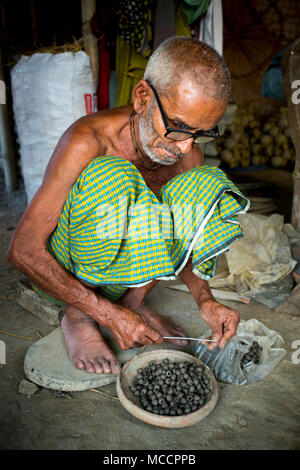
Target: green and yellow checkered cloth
[115, 233]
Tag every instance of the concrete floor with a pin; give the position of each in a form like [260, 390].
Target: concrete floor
[265, 415]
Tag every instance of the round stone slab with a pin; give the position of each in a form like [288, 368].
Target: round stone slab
[47, 364]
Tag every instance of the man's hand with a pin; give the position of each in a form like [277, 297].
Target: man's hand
[130, 330]
[222, 320]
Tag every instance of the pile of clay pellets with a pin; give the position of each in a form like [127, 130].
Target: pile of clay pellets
[172, 388]
[253, 355]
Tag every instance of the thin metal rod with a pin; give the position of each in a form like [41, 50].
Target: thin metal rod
[194, 339]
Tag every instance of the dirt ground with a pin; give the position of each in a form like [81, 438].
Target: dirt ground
[264, 415]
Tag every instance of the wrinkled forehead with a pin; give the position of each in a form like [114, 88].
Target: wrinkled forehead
[192, 105]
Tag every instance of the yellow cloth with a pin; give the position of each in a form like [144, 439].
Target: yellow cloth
[115, 233]
[130, 65]
[130, 68]
[181, 26]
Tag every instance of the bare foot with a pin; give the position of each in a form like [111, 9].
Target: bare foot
[163, 325]
[85, 344]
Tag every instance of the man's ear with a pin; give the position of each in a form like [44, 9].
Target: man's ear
[141, 96]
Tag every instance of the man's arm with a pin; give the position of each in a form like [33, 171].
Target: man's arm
[222, 320]
[28, 252]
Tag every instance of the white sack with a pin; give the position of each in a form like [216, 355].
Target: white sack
[50, 92]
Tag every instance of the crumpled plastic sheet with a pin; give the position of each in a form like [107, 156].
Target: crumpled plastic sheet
[259, 264]
[225, 363]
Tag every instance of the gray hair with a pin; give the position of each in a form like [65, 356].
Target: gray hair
[181, 57]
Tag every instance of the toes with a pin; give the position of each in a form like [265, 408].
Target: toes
[80, 364]
[180, 331]
[98, 367]
[106, 366]
[110, 365]
[115, 367]
[179, 342]
[89, 367]
[183, 342]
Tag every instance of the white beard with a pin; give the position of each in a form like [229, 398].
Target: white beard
[147, 133]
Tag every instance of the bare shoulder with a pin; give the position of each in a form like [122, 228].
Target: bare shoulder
[89, 137]
[95, 129]
[100, 126]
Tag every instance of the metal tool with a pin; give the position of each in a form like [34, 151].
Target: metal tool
[194, 339]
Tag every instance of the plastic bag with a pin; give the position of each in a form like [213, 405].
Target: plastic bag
[260, 262]
[226, 363]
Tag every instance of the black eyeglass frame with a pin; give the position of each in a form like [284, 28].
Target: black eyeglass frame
[213, 133]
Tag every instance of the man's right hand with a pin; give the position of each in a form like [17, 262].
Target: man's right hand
[130, 330]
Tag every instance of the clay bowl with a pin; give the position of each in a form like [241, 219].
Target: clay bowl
[131, 402]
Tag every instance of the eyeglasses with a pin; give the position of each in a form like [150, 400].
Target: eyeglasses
[200, 137]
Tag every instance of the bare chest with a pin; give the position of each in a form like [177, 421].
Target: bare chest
[156, 178]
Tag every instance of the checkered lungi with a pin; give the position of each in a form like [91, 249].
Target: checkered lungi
[115, 233]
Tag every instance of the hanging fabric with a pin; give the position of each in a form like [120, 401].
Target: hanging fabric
[134, 24]
[130, 68]
[104, 75]
[193, 9]
[181, 26]
[211, 26]
[103, 25]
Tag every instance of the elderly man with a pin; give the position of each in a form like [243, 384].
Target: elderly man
[144, 155]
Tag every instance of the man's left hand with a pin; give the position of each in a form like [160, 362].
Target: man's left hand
[222, 320]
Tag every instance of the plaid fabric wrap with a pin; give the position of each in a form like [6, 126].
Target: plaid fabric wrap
[115, 233]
